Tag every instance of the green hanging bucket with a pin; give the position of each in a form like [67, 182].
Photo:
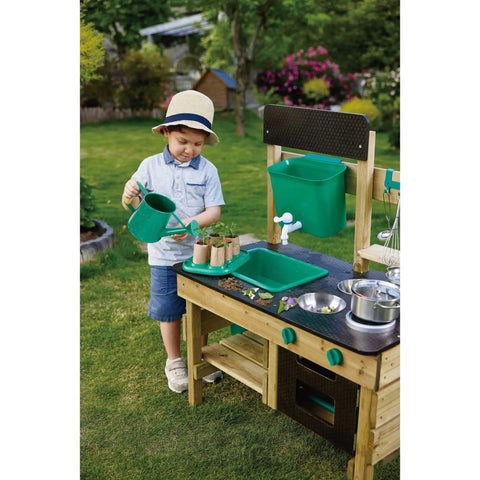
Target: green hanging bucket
[312, 189]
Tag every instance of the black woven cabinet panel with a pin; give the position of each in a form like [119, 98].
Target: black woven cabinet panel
[320, 131]
[295, 375]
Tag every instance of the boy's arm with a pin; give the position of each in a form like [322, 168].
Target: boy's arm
[207, 217]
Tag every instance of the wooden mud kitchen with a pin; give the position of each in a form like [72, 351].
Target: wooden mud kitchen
[330, 371]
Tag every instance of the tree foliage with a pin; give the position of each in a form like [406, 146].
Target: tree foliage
[361, 34]
[91, 52]
[121, 20]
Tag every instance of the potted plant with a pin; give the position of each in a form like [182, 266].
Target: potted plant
[217, 232]
[232, 237]
[217, 252]
[201, 248]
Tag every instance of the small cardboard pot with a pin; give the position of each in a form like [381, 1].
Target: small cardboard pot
[217, 256]
[235, 241]
[201, 253]
[228, 250]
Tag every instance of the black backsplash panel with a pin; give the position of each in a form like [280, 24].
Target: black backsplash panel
[320, 131]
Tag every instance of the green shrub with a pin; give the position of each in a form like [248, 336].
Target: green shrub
[267, 97]
[87, 204]
[300, 67]
[394, 136]
[316, 89]
[383, 89]
[146, 77]
[363, 106]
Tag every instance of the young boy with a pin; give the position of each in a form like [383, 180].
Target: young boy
[191, 181]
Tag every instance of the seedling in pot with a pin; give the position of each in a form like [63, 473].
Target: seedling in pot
[231, 230]
[219, 229]
[203, 233]
[218, 242]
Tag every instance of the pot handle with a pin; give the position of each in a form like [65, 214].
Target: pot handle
[386, 307]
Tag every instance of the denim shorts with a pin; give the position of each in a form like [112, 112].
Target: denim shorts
[165, 305]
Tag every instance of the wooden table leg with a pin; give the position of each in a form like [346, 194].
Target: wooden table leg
[194, 352]
[363, 468]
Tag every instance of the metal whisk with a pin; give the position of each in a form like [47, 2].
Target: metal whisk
[391, 256]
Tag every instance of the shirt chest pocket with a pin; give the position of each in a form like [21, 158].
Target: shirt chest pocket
[195, 194]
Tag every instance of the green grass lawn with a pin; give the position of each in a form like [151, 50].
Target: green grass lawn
[132, 425]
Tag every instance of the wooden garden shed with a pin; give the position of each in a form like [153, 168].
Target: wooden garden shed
[219, 86]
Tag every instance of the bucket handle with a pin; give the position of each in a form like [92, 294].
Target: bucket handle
[128, 201]
[321, 158]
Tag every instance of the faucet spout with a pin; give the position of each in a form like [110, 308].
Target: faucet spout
[288, 226]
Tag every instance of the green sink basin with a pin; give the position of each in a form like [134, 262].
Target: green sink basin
[275, 272]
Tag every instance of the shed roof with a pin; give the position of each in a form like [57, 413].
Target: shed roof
[228, 80]
[178, 27]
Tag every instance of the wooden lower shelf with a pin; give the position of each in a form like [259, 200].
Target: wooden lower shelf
[235, 364]
[245, 346]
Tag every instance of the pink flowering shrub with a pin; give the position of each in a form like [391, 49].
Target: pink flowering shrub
[298, 69]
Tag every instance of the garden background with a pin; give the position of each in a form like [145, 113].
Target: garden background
[40, 308]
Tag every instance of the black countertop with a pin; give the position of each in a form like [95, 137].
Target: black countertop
[332, 327]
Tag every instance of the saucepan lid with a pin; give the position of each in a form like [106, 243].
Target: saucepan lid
[376, 290]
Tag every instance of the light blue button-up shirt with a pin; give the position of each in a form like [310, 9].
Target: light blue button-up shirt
[192, 186]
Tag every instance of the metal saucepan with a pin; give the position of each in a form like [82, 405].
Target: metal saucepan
[375, 300]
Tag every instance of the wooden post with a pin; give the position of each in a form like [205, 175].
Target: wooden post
[363, 207]
[363, 468]
[194, 352]
[274, 155]
[272, 380]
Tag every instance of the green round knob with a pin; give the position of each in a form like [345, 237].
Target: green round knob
[334, 356]
[288, 335]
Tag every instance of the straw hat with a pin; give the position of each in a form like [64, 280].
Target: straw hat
[192, 109]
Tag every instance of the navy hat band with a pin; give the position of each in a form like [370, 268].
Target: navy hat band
[188, 116]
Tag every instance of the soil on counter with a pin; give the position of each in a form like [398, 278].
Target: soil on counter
[231, 283]
[266, 302]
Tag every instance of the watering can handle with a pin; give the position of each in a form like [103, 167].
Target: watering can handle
[128, 201]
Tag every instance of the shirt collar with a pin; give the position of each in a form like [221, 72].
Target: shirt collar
[167, 156]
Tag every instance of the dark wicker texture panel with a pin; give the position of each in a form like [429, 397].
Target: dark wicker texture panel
[319, 131]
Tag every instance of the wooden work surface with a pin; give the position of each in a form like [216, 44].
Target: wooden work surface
[332, 327]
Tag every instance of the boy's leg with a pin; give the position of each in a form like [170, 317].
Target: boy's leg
[176, 367]
[171, 338]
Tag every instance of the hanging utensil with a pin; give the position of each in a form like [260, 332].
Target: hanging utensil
[391, 256]
[383, 235]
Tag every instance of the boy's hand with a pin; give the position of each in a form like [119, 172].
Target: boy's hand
[131, 189]
[179, 237]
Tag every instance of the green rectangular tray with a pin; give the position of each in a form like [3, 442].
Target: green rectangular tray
[276, 272]
[207, 269]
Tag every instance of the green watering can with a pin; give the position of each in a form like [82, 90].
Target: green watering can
[150, 218]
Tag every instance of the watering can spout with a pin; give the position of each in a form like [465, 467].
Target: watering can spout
[288, 226]
[192, 228]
